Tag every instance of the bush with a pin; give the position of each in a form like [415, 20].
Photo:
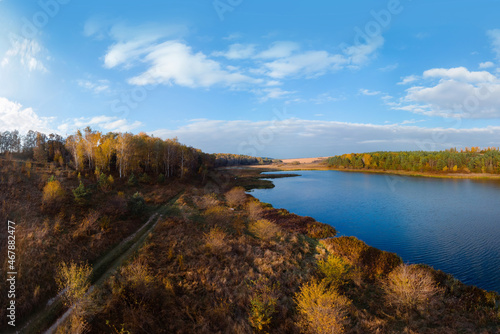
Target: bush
[374, 262]
[81, 194]
[319, 230]
[132, 180]
[236, 197]
[264, 229]
[53, 193]
[409, 287]
[263, 303]
[218, 216]
[136, 203]
[215, 239]
[144, 178]
[105, 183]
[321, 309]
[161, 178]
[335, 269]
[73, 279]
[206, 201]
[254, 210]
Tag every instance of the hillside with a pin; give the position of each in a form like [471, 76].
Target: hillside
[212, 258]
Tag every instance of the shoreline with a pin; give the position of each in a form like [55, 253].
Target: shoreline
[320, 166]
[260, 176]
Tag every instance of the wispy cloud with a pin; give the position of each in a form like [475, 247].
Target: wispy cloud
[170, 60]
[408, 79]
[99, 86]
[26, 52]
[494, 35]
[369, 92]
[237, 51]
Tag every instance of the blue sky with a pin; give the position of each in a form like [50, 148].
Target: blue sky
[277, 79]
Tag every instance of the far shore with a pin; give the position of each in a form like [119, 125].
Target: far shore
[320, 164]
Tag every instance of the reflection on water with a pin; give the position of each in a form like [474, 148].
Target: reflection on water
[452, 225]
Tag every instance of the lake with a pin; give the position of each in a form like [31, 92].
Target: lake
[449, 224]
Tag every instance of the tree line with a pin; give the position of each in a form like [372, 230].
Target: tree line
[467, 160]
[120, 153]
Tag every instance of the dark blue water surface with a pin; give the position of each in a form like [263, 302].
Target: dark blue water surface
[452, 225]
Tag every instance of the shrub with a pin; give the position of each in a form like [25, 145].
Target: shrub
[161, 178]
[254, 210]
[132, 180]
[53, 193]
[321, 309]
[73, 279]
[206, 201]
[218, 215]
[373, 261]
[136, 203]
[409, 287]
[105, 183]
[236, 197]
[335, 269]
[215, 239]
[319, 230]
[262, 303]
[144, 178]
[264, 229]
[81, 194]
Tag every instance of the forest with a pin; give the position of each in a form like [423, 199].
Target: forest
[467, 160]
[121, 153]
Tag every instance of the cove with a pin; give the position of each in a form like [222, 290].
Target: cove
[450, 224]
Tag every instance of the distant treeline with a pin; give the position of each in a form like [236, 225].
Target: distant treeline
[468, 160]
[121, 153]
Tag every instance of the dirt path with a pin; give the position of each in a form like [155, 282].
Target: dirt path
[50, 316]
[142, 234]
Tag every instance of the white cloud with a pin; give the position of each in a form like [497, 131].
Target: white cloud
[460, 74]
[237, 51]
[13, 116]
[105, 123]
[408, 79]
[272, 93]
[173, 62]
[459, 93]
[495, 41]
[486, 64]
[308, 64]
[389, 68]
[131, 43]
[293, 138]
[360, 54]
[26, 52]
[369, 92]
[279, 50]
[96, 87]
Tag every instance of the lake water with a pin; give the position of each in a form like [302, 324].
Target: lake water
[452, 225]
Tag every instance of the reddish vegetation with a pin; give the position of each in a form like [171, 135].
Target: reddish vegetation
[299, 224]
